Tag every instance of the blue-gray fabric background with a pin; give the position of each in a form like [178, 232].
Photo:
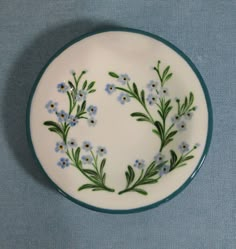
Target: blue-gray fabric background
[32, 214]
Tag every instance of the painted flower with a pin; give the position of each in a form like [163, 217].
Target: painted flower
[159, 158]
[175, 119]
[62, 116]
[73, 121]
[81, 95]
[188, 115]
[60, 147]
[151, 99]
[164, 170]
[110, 88]
[63, 162]
[62, 87]
[87, 146]
[181, 126]
[124, 79]
[140, 164]
[163, 92]
[183, 147]
[152, 85]
[92, 122]
[51, 106]
[101, 151]
[87, 159]
[123, 98]
[92, 110]
[72, 143]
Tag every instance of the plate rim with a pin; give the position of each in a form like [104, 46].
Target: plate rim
[209, 129]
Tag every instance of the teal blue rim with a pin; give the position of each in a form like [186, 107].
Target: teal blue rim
[209, 132]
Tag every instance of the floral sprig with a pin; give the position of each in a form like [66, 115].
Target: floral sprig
[158, 97]
[156, 169]
[77, 96]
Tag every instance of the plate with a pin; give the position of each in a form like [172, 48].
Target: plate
[119, 120]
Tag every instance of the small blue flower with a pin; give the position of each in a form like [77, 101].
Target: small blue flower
[101, 151]
[151, 99]
[87, 159]
[164, 170]
[110, 88]
[51, 106]
[92, 110]
[63, 162]
[123, 98]
[163, 92]
[140, 164]
[92, 122]
[188, 116]
[159, 158]
[73, 121]
[81, 95]
[181, 126]
[62, 87]
[87, 146]
[72, 143]
[183, 147]
[60, 147]
[175, 119]
[124, 79]
[152, 85]
[62, 116]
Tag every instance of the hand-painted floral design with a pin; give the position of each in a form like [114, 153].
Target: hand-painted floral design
[63, 162]
[61, 147]
[164, 126]
[110, 88]
[123, 98]
[101, 151]
[77, 94]
[62, 87]
[51, 106]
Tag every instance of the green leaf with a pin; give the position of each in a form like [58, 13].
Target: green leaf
[98, 189]
[90, 172]
[149, 181]
[188, 158]
[142, 119]
[139, 114]
[114, 75]
[165, 72]
[191, 99]
[83, 106]
[77, 153]
[53, 129]
[173, 158]
[85, 84]
[168, 76]
[159, 128]
[87, 186]
[71, 85]
[104, 177]
[90, 86]
[54, 124]
[102, 165]
[131, 174]
[92, 91]
[160, 113]
[140, 191]
[171, 134]
[135, 89]
[143, 96]
[78, 110]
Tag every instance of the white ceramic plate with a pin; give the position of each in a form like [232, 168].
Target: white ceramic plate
[119, 120]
